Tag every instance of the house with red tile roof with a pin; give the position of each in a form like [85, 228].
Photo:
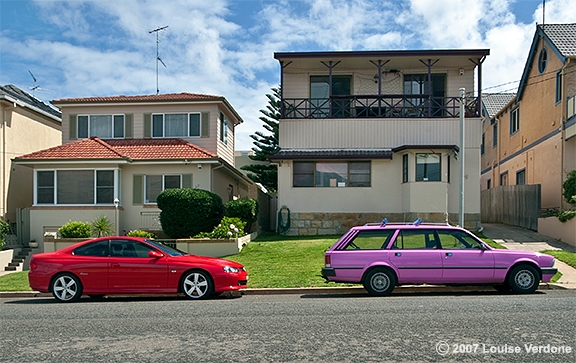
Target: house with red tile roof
[118, 153]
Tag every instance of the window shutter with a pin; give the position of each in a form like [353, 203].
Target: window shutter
[187, 181]
[138, 189]
[72, 127]
[147, 125]
[205, 124]
[128, 126]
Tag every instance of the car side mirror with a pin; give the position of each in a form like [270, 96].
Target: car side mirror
[155, 254]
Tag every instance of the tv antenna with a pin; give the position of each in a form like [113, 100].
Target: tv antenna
[35, 87]
[158, 59]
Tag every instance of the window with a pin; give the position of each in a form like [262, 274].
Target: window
[370, 240]
[488, 184]
[405, 168]
[155, 184]
[514, 120]
[420, 239]
[96, 249]
[457, 240]
[558, 86]
[176, 125]
[223, 128]
[482, 143]
[495, 135]
[521, 177]
[331, 174]
[128, 248]
[320, 103]
[75, 187]
[428, 167]
[102, 126]
[417, 84]
[504, 179]
[542, 60]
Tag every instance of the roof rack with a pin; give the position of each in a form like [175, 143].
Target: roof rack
[417, 222]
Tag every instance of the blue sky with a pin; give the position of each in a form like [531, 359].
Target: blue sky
[226, 47]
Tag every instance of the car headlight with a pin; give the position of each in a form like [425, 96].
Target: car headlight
[230, 269]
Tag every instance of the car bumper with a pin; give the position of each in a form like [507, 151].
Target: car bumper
[328, 272]
[548, 273]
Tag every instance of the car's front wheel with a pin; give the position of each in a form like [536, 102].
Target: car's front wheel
[379, 282]
[197, 285]
[66, 288]
[523, 279]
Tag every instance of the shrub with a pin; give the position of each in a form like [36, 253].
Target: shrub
[4, 230]
[228, 228]
[570, 188]
[75, 230]
[101, 227]
[141, 233]
[186, 212]
[566, 216]
[246, 209]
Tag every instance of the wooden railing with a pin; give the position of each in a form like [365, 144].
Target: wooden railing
[373, 106]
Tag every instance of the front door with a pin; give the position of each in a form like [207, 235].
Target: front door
[321, 104]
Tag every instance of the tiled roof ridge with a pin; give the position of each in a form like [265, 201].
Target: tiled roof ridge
[108, 146]
[149, 97]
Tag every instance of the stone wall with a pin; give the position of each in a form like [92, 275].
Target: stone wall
[315, 223]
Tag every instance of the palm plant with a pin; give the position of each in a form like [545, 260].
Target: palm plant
[101, 227]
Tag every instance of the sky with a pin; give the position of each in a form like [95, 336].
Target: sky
[226, 47]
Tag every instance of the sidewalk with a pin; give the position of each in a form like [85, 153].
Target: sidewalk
[516, 238]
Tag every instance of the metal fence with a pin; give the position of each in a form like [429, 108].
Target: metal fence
[515, 205]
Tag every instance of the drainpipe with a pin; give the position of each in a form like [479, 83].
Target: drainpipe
[563, 133]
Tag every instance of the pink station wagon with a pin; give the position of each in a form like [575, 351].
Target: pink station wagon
[383, 255]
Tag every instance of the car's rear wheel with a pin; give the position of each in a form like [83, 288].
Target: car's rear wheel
[379, 282]
[523, 279]
[197, 285]
[66, 288]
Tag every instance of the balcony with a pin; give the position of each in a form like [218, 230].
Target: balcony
[374, 106]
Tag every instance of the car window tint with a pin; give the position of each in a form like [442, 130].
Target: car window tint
[99, 249]
[457, 239]
[416, 239]
[370, 240]
[129, 248]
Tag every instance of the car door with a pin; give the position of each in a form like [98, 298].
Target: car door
[415, 255]
[131, 270]
[91, 265]
[464, 259]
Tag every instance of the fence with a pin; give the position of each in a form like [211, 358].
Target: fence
[516, 205]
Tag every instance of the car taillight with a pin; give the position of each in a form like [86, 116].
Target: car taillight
[327, 260]
[33, 265]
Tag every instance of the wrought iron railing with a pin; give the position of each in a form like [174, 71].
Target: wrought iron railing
[373, 106]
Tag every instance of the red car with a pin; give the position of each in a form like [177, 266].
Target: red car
[131, 265]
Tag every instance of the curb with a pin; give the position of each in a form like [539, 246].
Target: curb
[351, 290]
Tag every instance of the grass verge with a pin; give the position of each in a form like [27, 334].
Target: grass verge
[15, 281]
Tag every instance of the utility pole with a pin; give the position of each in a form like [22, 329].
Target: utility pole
[462, 152]
[158, 59]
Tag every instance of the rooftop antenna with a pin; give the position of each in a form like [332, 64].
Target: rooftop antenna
[543, 13]
[158, 59]
[35, 87]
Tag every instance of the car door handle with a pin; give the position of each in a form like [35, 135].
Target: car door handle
[398, 254]
[448, 254]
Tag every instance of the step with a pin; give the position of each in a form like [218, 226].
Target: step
[10, 268]
[14, 263]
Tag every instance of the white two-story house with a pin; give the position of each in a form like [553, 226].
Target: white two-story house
[118, 153]
[367, 135]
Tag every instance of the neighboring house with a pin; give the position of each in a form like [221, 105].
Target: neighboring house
[532, 138]
[369, 135]
[26, 125]
[128, 149]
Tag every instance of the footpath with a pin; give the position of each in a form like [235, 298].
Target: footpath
[513, 238]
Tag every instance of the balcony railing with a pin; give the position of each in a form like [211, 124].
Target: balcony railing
[373, 106]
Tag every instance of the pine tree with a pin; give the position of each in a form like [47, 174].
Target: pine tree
[266, 144]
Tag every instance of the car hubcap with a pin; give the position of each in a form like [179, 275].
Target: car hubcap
[65, 288]
[195, 285]
[380, 281]
[524, 279]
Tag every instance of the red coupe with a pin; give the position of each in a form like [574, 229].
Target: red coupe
[131, 265]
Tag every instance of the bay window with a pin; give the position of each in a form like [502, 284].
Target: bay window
[428, 167]
[331, 174]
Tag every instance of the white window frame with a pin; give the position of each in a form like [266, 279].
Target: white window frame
[188, 114]
[111, 121]
[94, 186]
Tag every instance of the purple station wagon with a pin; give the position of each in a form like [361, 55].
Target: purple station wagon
[381, 256]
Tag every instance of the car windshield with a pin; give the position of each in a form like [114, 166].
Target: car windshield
[167, 249]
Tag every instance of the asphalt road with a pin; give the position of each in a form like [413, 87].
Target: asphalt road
[294, 328]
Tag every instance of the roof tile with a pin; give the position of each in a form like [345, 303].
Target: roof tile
[143, 98]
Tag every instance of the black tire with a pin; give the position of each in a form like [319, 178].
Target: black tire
[523, 279]
[379, 282]
[66, 287]
[96, 297]
[197, 285]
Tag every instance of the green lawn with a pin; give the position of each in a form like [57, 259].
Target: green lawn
[564, 256]
[15, 281]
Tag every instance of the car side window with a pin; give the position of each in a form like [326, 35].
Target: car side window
[97, 249]
[416, 239]
[370, 240]
[457, 240]
[129, 248]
